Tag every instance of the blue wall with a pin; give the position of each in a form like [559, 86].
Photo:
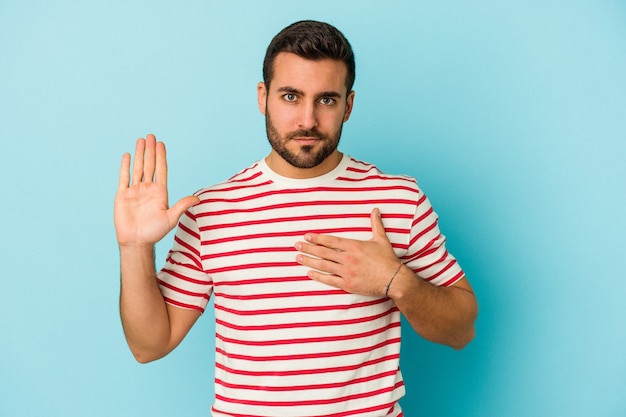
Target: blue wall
[512, 115]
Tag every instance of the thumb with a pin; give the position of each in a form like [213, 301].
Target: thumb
[378, 228]
[182, 206]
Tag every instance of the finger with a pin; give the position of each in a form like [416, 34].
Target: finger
[378, 228]
[332, 242]
[318, 264]
[328, 279]
[161, 164]
[138, 162]
[149, 159]
[124, 172]
[319, 251]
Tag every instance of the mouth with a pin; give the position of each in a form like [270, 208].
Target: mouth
[306, 140]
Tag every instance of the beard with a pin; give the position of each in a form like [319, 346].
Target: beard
[307, 156]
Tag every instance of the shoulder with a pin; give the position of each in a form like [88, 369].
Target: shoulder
[361, 171]
[246, 178]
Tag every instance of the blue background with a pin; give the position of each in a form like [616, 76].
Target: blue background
[511, 114]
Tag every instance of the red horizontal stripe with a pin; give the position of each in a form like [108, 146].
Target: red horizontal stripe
[454, 279]
[302, 218]
[190, 214]
[421, 218]
[314, 371]
[309, 387]
[238, 185]
[296, 233]
[362, 170]
[305, 340]
[428, 248]
[289, 191]
[282, 234]
[422, 199]
[305, 403]
[316, 355]
[425, 251]
[305, 204]
[181, 291]
[277, 295]
[342, 414]
[429, 228]
[382, 178]
[435, 262]
[250, 178]
[389, 406]
[187, 246]
[296, 325]
[246, 170]
[400, 246]
[183, 305]
[441, 271]
[188, 231]
[300, 309]
[185, 278]
[249, 266]
[194, 264]
[248, 252]
[255, 281]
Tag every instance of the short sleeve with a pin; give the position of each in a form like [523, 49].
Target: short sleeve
[182, 280]
[427, 254]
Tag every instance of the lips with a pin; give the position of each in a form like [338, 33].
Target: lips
[307, 140]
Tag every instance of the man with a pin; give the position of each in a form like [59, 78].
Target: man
[311, 255]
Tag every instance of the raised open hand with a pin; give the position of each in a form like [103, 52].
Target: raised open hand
[141, 213]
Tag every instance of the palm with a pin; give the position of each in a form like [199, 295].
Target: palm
[141, 212]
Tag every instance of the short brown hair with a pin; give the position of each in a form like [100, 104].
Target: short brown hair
[311, 40]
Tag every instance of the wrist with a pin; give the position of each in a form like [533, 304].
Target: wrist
[136, 249]
[137, 263]
[403, 283]
[136, 245]
[392, 278]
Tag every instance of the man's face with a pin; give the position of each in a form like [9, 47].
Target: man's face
[305, 108]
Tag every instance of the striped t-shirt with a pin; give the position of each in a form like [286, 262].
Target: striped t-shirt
[287, 345]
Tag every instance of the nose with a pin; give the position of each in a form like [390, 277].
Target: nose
[307, 116]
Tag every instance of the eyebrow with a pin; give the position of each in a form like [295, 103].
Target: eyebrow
[287, 89]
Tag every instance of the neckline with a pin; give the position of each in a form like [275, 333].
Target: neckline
[304, 182]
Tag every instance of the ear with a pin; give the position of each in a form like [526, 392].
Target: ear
[261, 91]
[349, 104]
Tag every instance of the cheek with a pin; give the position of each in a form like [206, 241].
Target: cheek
[282, 118]
[333, 121]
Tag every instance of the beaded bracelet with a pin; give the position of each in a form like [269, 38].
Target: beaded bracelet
[392, 277]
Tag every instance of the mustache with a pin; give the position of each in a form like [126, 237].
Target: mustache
[311, 133]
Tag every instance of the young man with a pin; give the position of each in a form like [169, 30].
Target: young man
[311, 255]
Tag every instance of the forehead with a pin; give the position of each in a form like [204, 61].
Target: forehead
[309, 76]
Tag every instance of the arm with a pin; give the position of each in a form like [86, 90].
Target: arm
[443, 315]
[142, 218]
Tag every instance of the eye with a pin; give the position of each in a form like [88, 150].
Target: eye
[290, 97]
[327, 101]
